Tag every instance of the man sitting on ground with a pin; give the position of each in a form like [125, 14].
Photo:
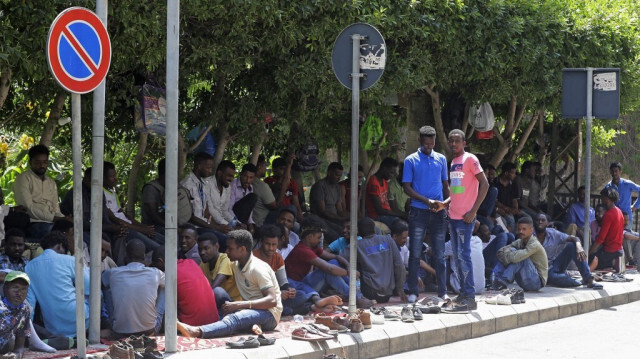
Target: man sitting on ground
[530, 196]
[284, 188]
[242, 200]
[287, 217]
[131, 293]
[491, 243]
[13, 249]
[196, 301]
[608, 244]
[576, 212]
[382, 273]
[38, 194]
[188, 240]
[631, 243]
[524, 261]
[328, 272]
[260, 305]
[377, 199]
[217, 268]
[14, 314]
[53, 277]
[327, 203]
[266, 200]
[220, 196]
[561, 249]
[508, 195]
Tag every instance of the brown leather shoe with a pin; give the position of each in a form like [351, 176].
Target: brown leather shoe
[330, 323]
[355, 325]
[365, 318]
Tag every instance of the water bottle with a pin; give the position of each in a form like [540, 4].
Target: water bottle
[298, 318]
[357, 285]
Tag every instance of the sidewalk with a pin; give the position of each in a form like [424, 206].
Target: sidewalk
[437, 329]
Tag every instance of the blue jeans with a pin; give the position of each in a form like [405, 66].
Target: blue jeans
[317, 279]
[387, 220]
[490, 251]
[558, 269]
[524, 273]
[37, 230]
[241, 320]
[300, 304]
[460, 233]
[421, 222]
[489, 203]
[221, 297]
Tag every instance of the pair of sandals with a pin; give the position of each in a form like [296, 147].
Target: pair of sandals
[251, 342]
[314, 333]
[614, 277]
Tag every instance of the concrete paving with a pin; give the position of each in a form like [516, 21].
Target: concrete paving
[438, 329]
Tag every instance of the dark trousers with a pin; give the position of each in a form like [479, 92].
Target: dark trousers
[370, 293]
[242, 209]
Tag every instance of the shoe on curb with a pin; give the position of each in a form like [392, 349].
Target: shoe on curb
[406, 315]
[412, 298]
[330, 322]
[591, 283]
[266, 341]
[498, 299]
[244, 343]
[455, 308]
[365, 318]
[119, 351]
[355, 325]
[430, 309]
[498, 285]
[417, 313]
[470, 302]
[388, 315]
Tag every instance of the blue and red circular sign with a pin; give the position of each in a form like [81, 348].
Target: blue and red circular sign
[78, 50]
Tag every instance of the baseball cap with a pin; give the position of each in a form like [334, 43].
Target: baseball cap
[16, 274]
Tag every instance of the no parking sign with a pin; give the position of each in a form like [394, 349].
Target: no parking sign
[78, 50]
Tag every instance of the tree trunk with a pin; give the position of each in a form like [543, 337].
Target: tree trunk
[183, 150]
[437, 117]
[5, 81]
[222, 140]
[525, 136]
[256, 149]
[132, 184]
[52, 121]
[506, 138]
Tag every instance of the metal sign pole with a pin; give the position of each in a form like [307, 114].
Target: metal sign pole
[77, 223]
[587, 167]
[171, 176]
[97, 158]
[355, 130]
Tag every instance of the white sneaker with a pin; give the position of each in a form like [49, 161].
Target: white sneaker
[499, 299]
[412, 298]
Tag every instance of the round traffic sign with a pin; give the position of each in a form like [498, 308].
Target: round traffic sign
[373, 54]
[78, 50]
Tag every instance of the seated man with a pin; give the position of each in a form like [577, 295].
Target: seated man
[524, 261]
[486, 212]
[284, 188]
[345, 191]
[242, 200]
[266, 200]
[38, 194]
[382, 273]
[477, 261]
[631, 243]
[13, 249]
[491, 243]
[53, 277]
[308, 253]
[294, 301]
[14, 313]
[260, 305]
[561, 249]
[608, 244]
[398, 200]
[217, 268]
[576, 212]
[529, 201]
[508, 195]
[188, 240]
[196, 301]
[341, 245]
[597, 223]
[377, 194]
[219, 197]
[131, 293]
[327, 203]
[150, 238]
[287, 217]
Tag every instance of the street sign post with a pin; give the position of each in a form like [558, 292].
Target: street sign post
[358, 59]
[79, 55]
[588, 93]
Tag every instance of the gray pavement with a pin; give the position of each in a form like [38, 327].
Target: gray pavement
[436, 330]
[603, 333]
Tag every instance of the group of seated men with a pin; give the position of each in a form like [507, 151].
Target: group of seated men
[297, 263]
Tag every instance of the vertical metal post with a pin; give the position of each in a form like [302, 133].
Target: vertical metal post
[355, 130]
[587, 162]
[76, 139]
[97, 156]
[171, 179]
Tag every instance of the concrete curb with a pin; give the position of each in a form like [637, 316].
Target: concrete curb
[437, 329]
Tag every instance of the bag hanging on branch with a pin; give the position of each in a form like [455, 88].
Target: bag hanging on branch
[151, 110]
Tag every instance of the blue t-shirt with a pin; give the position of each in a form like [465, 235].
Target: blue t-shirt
[625, 189]
[425, 173]
[339, 245]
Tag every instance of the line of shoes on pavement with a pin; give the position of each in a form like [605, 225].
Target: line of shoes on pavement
[134, 347]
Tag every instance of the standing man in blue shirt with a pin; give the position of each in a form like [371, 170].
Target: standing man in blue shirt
[624, 188]
[425, 180]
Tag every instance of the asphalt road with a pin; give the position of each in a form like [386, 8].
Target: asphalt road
[605, 333]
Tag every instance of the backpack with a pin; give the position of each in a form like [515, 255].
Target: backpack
[307, 156]
[481, 117]
[151, 110]
[185, 211]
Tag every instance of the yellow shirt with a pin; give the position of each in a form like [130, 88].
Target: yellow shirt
[223, 266]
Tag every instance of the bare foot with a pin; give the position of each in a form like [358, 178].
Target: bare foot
[189, 331]
[328, 309]
[256, 329]
[332, 300]
[594, 264]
